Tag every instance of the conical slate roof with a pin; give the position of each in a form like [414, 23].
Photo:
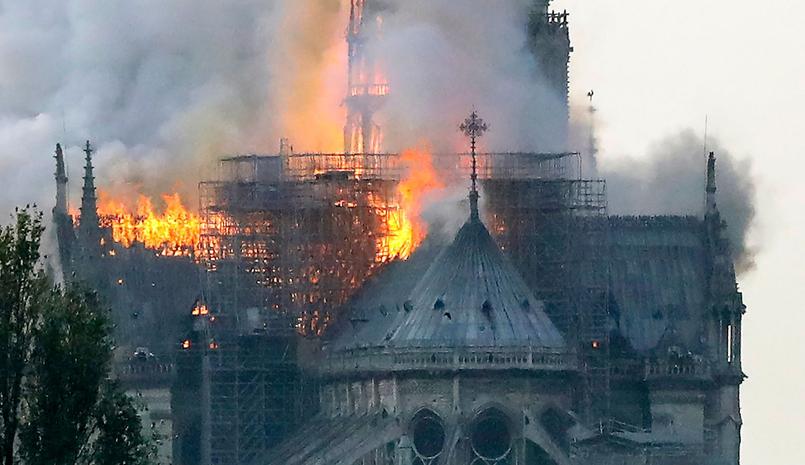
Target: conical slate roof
[470, 296]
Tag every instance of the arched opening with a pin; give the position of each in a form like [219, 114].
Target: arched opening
[491, 436]
[428, 434]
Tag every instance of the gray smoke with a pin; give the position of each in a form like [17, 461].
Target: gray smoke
[159, 87]
[671, 181]
[163, 88]
[442, 60]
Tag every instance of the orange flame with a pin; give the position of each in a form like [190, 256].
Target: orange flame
[309, 42]
[200, 309]
[400, 241]
[174, 231]
[407, 228]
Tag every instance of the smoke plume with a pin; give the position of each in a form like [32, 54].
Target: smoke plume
[161, 88]
[308, 60]
[671, 181]
[442, 59]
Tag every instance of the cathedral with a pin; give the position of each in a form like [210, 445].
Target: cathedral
[544, 331]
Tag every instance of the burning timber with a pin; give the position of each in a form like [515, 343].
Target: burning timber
[294, 233]
[309, 229]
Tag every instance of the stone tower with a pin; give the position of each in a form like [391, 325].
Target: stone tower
[726, 310]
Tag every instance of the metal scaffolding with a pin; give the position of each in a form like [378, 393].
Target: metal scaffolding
[299, 233]
[294, 236]
[556, 232]
[254, 386]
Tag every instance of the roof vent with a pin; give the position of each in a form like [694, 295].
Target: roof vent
[486, 307]
[408, 306]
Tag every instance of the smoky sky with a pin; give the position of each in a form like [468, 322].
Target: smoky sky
[159, 87]
[442, 61]
[163, 88]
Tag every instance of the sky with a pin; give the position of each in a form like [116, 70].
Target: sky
[658, 67]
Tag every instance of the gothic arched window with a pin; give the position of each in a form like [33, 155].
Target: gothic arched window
[428, 433]
[491, 438]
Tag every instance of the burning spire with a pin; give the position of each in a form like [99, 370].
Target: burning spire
[474, 127]
[367, 86]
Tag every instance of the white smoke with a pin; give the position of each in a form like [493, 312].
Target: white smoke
[163, 88]
[446, 210]
[442, 59]
[159, 87]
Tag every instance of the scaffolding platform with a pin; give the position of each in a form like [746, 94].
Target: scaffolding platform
[296, 235]
[299, 233]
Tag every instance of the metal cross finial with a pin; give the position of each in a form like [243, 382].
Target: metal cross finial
[474, 127]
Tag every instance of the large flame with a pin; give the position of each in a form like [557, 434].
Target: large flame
[399, 242]
[420, 179]
[173, 231]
